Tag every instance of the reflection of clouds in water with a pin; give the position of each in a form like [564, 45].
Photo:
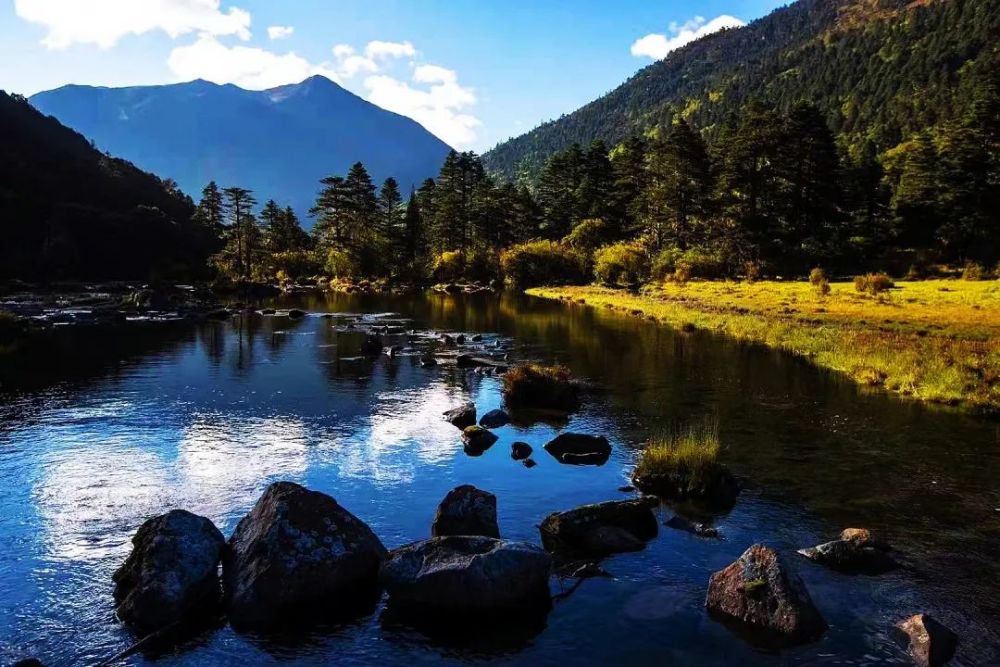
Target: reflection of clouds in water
[91, 498]
[405, 431]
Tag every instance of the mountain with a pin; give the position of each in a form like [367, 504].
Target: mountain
[68, 211]
[879, 70]
[278, 142]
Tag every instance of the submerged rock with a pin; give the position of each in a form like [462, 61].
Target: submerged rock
[462, 416]
[930, 643]
[458, 575]
[520, 451]
[713, 485]
[601, 529]
[494, 419]
[579, 448]
[466, 510]
[856, 552]
[428, 361]
[694, 527]
[296, 314]
[764, 599]
[298, 554]
[172, 575]
[529, 463]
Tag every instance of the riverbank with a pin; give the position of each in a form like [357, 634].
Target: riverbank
[936, 340]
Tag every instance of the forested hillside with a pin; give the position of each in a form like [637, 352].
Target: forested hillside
[879, 71]
[68, 211]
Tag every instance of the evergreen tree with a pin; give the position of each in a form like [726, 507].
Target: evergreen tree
[209, 212]
[680, 187]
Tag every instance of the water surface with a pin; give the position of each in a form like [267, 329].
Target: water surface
[103, 428]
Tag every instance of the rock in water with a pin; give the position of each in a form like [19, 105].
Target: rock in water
[764, 599]
[462, 416]
[296, 313]
[694, 527]
[372, 345]
[466, 510]
[600, 530]
[714, 486]
[172, 575]
[520, 451]
[460, 575]
[494, 419]
[579, 448]
[296, 555]
[930, 643]
[856, 552]
[477, 440]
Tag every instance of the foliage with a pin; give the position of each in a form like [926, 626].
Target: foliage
[535, 386]
[703, 263]
[340, 264]
[588, 235]
[973, 271]
[622, 264]
[448, 266]
[665, 263]
[542, 263]
[873, 283]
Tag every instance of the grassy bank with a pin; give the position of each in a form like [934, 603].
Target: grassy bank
[934, 340]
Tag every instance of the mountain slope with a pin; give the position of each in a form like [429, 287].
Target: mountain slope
[878, 69]
[70, 211]
[277, 142]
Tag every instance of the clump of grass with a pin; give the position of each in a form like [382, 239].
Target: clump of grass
[873, 283]
[540, 387]
[973, 271]
[819, 281]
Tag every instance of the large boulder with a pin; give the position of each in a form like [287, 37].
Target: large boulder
[764, 599]
[462, 416]
[579, 448]
[296, 555]
[466, 510]
[172, 575]
[600, 529]
[929, 642]
[856, 552]
[461, 574]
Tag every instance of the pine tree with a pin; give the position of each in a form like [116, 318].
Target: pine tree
[209, 211]
[680, 187]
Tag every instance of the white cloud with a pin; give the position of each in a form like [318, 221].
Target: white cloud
[349, 63]
[441, 107]
[658, 46]
[247, 67]
[279, 31]
[104, 22]
[377, 50]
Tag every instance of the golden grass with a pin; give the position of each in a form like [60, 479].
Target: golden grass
[537, 386]
[933, 340]
[694, 452]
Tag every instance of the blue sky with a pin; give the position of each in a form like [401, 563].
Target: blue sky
[474, 72]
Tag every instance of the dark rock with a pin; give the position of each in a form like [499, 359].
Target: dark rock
[694, 527]
[856, 552]
[460, 575]
[372, 345]
[460, 339]
[626, 489]
[529, 463]
[147, 299]
[477, 337]
[601, 529]
[466, 510]
[579, 448]
[469, 361]
[494, 419]
[760, 596]
[392, 351]
[28, 662]
[267, 311]
[713, 486]
[477, 440]
[218, 314]
[520, 450]
[299, 555]
[929, 642]
[295, 313]
[462, 416]
[428, 361]
[172, 575]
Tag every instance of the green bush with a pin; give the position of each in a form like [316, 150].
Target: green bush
[295, 264]
[588, 236]
[543, 263]
[702, 263]
[873, 283]
[817, 276]
[340, 264]
[621, 264]
[665, 263]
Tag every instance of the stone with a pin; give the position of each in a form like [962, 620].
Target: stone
[601, 529]
[760, 596]
[494, 419]
[856, 552]
[930, 643]
[172, 575]
[428, 361]
[694, 527]
[714, 486]
[296, 314]
[477, 338]
[520, 451]
[477, 440]
[529, 463]
[466, 510]
[579, 448]
[462, 416]
[298, 555]
[460, 339]
[468, 575]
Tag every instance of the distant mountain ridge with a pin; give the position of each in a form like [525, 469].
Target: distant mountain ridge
[277, 142]
[879, 70]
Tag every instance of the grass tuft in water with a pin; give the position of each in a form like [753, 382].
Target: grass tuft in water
[540, 387]
[693, 452]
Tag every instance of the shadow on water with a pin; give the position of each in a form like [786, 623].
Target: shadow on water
[100, 429]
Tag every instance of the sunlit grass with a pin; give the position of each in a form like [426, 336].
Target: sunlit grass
[537, 386]
[694, 452]
[934, 340]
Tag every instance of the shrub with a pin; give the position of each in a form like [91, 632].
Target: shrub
[340, 264]
[973, 271]
[587, 236]
[703, 263]
[481, 264]
[873, 283]
[665, 263]
[621, 264]
[295, 263]
[752, 270]
[540, 387]
[682, 274]
[817, 276]
[449, 266]
[543, 263]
